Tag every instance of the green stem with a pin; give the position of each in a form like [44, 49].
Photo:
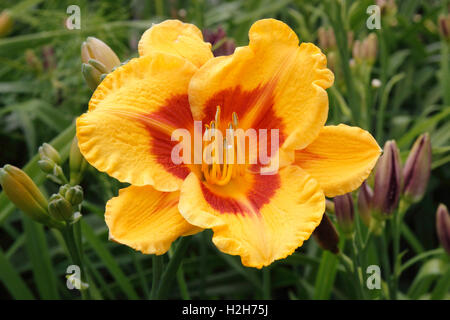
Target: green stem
[74, 249]
[420, 257]
[350, 269]
[383, 76]
[396, 250]
[396, 224]
[184, 292]
[445, 72]
[266, 283]
[411, 239]
[442, 287]
[356, 268]
[384, 259]
[335, 15]
[159, 6]
[172, 267]
[367, 240]
[157, 265]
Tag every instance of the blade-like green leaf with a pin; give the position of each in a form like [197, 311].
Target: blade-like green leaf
[96, 244]
[37, 249]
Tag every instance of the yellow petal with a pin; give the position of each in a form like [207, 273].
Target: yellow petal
[146, 220]
[127, 132]
[340, 159]
[177, 38]
[272, 84]
[261, 218]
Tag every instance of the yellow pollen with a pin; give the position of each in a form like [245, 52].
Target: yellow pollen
[224, 152]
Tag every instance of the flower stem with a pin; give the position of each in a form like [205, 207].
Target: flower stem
[396, 224]
[157, 265]
[356, 267]
[384, 259]
[73, 244]
[266, 283]
[172, 267]
[184, 292]
[445, 72]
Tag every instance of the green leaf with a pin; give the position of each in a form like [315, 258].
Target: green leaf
[428, 273]
[12, 280]
[422, 125]
[37, 249]
[113, 267]
[325, 276]
[442, 287]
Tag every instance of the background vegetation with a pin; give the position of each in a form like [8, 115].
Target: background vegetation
[42, 91]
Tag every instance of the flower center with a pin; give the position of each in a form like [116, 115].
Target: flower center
[223, 157]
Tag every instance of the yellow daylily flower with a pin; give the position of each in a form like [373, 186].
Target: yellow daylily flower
[273, 83]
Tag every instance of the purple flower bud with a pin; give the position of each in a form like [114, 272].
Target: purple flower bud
[443, 226]
[444, 26]
[345, 213]
[416, 172]
[365, 198]
[388, 181]
[326, 235]
[222, 45]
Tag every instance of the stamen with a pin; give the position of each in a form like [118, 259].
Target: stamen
[224, 166]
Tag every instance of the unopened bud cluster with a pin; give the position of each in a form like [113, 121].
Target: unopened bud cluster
[392, 182]
[24, 193]
[50, 163]
[366, 49]
[63, 207]
[98, 60]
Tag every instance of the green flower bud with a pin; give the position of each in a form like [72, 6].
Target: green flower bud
[345, 213]
[74, 195]
[57, 175]
[376, 226]
[46, 166]
[77, 163]
[96, 49]
[417, 170]
[6, 23]
[329, 206]
[47, 152]
[332, 61]
[59, 208]
[24, 193]
[63, 189]
[98, 65]
[33, 61]
[91, 76]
